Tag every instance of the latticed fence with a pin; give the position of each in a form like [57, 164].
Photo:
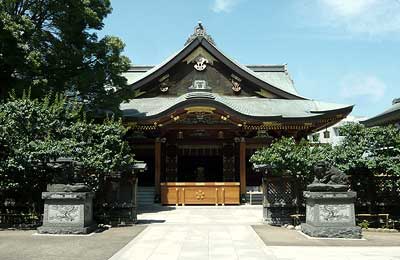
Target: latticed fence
[377, 193]
[377, 196]
[281, 198]
[18, 215]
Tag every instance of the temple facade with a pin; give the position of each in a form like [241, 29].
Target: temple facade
[197, 117]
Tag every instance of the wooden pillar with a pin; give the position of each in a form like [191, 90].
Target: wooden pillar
[157, 167]
[242, 159]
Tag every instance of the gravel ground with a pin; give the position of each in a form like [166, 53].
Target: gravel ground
[279, 236]
[21, 245]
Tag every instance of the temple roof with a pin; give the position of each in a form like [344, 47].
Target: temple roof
[272, 78]
[389, 116]
[284, 103]
[275, 75]
[260, 108]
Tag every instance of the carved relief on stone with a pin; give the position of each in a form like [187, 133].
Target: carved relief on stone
[334, 213]
[201, 63]
[63, 213]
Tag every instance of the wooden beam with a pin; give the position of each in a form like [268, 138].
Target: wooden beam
[157, 166]
[242, 159]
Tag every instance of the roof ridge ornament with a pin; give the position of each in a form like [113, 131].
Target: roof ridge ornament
[200, 31]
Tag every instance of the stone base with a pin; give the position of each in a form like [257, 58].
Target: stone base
[331, 232]
[66, 230]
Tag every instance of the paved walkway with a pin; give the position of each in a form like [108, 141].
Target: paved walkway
[198, 233]
[225, 233]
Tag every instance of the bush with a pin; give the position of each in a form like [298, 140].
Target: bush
[35, 132]
[285, 156]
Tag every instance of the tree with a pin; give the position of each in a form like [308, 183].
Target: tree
[370, 155]
[52, 45]
[376, 149]
[35, 132]
[285, 156]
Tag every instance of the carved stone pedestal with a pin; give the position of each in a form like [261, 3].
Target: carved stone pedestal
[67, 213]
[330, 214]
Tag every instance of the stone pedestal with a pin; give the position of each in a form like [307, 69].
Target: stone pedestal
[330, 214]
[67, 213]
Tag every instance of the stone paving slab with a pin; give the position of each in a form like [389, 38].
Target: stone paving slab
[229, 233]
[190, 232]
[193, 241]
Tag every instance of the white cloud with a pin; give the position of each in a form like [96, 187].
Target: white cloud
[361, 16]
[356, 86]
[348, 7]
[224, 5]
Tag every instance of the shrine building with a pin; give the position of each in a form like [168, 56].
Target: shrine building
[198, 116]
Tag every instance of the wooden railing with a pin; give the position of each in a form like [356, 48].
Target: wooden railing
[200, 193]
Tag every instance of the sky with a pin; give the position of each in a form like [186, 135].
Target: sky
[342, 51]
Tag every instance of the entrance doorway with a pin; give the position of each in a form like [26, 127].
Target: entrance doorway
[200, 169]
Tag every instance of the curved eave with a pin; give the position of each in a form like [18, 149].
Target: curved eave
[309, 117]
[383, 119]
[161, 69]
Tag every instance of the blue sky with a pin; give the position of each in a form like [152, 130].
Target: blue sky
[344, 51]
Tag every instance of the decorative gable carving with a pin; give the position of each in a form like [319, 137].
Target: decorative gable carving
[201, 63]
[199, 52]
[199, 30]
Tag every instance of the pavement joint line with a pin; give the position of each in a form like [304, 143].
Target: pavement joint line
[331, 238]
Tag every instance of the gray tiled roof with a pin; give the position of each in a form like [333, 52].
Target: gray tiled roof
[248, 106]
[275, 75]
[391, 115]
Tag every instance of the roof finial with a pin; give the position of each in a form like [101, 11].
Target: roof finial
[200, 31]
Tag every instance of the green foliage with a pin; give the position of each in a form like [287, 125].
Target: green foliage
[286, 156]
[34, 132]
[364, 224]
[52, 45]
[376, 149]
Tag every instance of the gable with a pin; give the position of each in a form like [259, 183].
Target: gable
[200, 71]
[178, 74]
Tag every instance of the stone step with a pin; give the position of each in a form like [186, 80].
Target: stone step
[146, 188]
[256, 198]
[146, 193]
[145, 196]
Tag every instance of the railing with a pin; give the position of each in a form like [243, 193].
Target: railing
[20, 220]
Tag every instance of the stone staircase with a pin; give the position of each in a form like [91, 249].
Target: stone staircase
[254, 197]
[145, 196]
